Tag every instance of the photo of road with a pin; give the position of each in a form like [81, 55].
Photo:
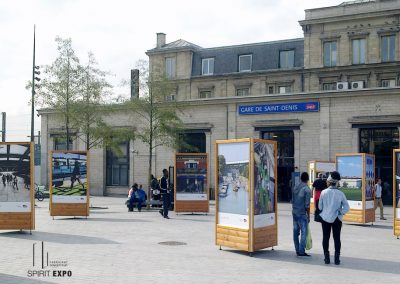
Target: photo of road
[15, 173]
[233, 178]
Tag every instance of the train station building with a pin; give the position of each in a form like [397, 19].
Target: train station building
[336, 90]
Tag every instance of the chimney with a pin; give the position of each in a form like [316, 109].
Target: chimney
[160, 40]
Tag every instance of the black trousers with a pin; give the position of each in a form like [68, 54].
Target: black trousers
[335, 227]
[166, 203]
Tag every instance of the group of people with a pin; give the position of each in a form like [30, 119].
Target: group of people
[330, 207]
[10, 179]
[137, 195]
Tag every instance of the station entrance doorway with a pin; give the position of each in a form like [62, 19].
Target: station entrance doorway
[381, 142]
[285, 139]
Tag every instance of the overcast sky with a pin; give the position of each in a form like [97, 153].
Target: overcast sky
[119, 32]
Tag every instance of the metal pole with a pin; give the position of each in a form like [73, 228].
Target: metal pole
[3, 136]
[33, 89]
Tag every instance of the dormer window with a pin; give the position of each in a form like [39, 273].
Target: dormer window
[207, 66]
[245, 62]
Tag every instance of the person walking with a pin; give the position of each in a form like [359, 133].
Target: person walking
[318, 186]
[301, 214]
[378, 197]
[165, 191]
[333, 205]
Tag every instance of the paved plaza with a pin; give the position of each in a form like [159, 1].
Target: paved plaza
[114, 246]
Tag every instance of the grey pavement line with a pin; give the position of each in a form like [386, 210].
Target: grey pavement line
[57, 238]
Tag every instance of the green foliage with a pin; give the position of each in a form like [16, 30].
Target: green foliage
[78, 95]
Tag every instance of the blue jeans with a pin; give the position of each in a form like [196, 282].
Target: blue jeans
[300, 225]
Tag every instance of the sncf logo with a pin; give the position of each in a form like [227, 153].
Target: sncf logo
[311, 106]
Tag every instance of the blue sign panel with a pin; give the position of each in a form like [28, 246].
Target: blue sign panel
[277, 108]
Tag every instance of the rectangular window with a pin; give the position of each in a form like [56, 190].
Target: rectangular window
[387, 48]
[117, 166]
[170, 67]
[60, 143]
[207, 66]
[245, 62]
[270, 89]
[286, 59]
[329, 86]
[285, 89]
[205, 94]
[242, 92]
[388, 83]
[359, 51]
[170, 98]
[330, 53]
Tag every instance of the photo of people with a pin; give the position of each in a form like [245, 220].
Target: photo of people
[233, 178]
[264, 178]
[191, 176]
[350, 168]
[369, 178]
[69, 174]
[15, 173]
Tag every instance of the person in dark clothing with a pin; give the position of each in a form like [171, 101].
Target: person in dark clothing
[132, 197]
[155, 188]
[76, 174]
[166, 192]
[318, 186]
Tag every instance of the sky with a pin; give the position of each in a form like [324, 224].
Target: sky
[350, 166]
[119, 32]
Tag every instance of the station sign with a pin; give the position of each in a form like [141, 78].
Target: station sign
[278, 108]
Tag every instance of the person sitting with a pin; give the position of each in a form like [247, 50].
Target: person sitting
[131, 196]
[140, 197]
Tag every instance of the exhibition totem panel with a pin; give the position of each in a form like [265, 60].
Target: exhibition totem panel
[69, 183]
[191, 183]
[357, 183]
[246, 194]
[17, 187]
[315, 168]
[396, 192]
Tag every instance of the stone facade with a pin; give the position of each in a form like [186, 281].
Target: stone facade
[317, 135]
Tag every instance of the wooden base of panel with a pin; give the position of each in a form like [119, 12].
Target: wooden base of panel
[69, 209]
[233, 238]
[16, 221]
[369, 216]
[354, 216]
[265, 237]
[396, 228]
[201, 206]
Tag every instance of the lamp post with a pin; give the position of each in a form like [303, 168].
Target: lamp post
[35, 72]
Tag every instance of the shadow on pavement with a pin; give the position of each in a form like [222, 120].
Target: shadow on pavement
[6, 278]
[375, 226]
[376, 265]
[111, 220]
[57, 238]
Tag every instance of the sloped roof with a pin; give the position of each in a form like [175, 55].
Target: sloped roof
[178, 44]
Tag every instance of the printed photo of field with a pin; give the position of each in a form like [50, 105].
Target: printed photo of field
[350, 169]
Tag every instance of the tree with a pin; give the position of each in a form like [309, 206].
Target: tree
[89, 107]
[61, 84]
[156, 116]
[79, 95]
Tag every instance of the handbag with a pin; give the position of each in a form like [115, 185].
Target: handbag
[309, 239]
[317, 212]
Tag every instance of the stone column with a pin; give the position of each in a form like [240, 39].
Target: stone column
[297, 150]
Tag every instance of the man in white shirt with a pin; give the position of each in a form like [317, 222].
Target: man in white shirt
[378, 197]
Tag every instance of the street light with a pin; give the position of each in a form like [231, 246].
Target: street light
[35, 71]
